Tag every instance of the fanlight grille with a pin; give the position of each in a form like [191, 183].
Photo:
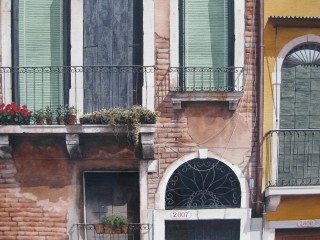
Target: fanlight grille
[306, 54]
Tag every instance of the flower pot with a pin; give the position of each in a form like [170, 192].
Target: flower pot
[72, 119]
[60, 120]
[40, 121]
[49, 121]
[106, 229]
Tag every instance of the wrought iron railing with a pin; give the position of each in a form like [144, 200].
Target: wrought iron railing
[88, 87]
[206, 79]
[83, 231]
[293, 157]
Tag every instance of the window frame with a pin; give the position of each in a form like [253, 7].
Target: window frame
[239, 29]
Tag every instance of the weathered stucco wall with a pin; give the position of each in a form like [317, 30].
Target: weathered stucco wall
[41, 188]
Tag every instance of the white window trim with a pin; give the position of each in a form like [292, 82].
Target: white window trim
[276, 84]
[160, 215]
[239, 29]
[6, 48]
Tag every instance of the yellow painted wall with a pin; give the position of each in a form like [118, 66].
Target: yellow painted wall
[296, 208]
[274, 41]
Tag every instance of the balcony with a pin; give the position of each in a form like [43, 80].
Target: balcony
[91, 232]
[292, 164]
[189, 84]
[293, 157]
[88, 88]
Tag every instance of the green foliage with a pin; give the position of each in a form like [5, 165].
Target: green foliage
[131, 117]
[48, 112]
[114, 220]
[39, 114]
[115, 116]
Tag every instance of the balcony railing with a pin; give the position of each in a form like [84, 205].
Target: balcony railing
[88, 88]
[83, 231]
[293, 157]
[206, 79]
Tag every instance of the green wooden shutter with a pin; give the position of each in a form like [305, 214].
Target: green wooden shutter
[207, 35]
[41, 42]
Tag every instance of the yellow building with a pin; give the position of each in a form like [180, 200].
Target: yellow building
[291, 119]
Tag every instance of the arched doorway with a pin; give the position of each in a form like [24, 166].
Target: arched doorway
[203, 198]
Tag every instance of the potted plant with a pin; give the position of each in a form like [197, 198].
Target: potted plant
[39, 117]
[12, 114]
[70, 114]
[114, 224]
[60, 115]
[48, 115]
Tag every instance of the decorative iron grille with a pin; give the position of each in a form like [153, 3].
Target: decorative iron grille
[97, 86]
[207, 79]
[203, 183]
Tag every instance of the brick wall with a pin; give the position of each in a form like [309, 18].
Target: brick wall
[20, 215]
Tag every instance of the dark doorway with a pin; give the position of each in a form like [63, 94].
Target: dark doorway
[111, 193]
[203, 230]
[298, 234]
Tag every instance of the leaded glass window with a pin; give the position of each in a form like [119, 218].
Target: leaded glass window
[203, 183]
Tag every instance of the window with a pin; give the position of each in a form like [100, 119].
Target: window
[39, 40]
[206, 33]
[203, 183]
[206, 43]
[299, 135]
[300, 88]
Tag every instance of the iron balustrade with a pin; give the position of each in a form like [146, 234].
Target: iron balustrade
[207, 79]
[39, 87]
[293, 157]
[83, 231]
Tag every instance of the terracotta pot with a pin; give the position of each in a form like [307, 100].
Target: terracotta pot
[105, 229]
[60, 120]
[40, 121]
[72, 119]
[49, 121]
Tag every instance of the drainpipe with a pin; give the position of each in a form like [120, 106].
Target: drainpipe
[260, 91]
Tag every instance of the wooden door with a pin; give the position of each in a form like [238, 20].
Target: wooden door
[113, 37]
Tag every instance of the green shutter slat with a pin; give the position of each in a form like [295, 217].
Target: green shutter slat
[41, 43]
[206, 35]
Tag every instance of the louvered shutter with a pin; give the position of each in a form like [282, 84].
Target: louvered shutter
[41, 42]
[208, 41]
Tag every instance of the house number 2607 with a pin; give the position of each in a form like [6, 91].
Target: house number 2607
[180, 214]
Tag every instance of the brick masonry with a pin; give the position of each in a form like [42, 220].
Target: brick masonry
[21, 216]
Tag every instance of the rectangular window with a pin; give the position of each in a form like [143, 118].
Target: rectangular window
[39, 40]
[206, 40]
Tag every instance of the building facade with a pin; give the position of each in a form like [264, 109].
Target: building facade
[290, 129]
[195, 174]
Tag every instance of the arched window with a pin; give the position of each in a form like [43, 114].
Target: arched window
[300, 88]
[203, 183]
[298, 149]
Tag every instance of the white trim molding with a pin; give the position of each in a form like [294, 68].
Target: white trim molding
[274, 194]
[6, 48]
[148, 91]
